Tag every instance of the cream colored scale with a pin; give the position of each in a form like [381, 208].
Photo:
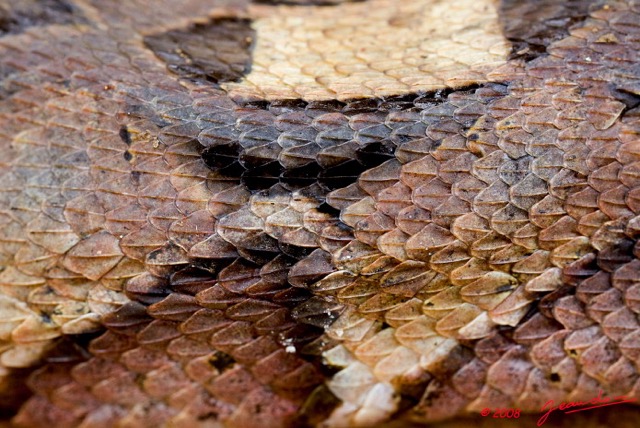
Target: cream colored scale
[317, 53]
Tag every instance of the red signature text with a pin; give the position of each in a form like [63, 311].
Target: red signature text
[578, 406]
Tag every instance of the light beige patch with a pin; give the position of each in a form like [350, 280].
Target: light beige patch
[371, 48]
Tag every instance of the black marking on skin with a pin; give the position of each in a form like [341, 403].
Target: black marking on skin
[259, 257]
[294, 251]
[221, 155]
[375, 153]
[221, 361]
[287, 105]
[23, 14]
[341, 175]
[626, 90]
[124, 135]
[629, 99]
[532, 25]
[302, 176]
[301, 334]
[325, 208]
[262, 177]
[260, 169]
[318, 406]
[219, 51]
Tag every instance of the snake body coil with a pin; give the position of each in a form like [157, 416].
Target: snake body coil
[235, 213]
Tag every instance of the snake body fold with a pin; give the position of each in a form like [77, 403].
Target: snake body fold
[233, 214]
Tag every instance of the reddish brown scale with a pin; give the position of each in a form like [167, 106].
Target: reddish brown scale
[177, 249]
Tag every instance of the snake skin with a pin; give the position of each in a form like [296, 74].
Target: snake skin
[178, 250]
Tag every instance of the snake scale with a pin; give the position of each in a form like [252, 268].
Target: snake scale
[317, 213]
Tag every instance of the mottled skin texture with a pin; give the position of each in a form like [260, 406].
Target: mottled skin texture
[180, 246]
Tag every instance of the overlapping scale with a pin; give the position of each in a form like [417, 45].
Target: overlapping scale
[172, 255]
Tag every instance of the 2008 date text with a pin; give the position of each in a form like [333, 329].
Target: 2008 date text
[501, 413]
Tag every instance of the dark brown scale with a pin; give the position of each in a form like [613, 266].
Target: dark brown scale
[218, 51]
[183, 256]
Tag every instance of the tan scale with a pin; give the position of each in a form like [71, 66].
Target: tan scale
[317, 53]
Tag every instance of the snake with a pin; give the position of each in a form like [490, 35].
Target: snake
[318, 213]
